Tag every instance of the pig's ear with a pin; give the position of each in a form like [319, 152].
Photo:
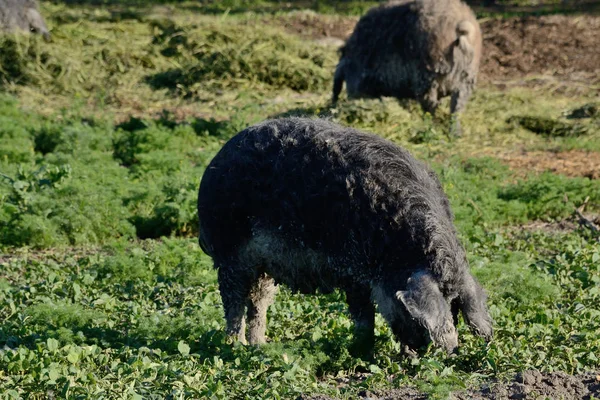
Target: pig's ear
[404, 297]
[425, 303]
[36, 23]
[422, 298]
[417, 311]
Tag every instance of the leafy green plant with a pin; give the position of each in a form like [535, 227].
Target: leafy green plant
[27, 183]
[18, 204]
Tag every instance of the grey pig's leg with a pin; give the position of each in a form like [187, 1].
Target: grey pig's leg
[430, 101]
[338, 81]
[458, 100]
[362, 311]
[261, 296]
[234, 289]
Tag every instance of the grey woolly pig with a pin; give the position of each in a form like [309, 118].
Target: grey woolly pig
[316, 206]
[22, 15]
[420, 49]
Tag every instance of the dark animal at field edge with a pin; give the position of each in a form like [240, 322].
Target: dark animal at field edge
[421, 49]
[22, 15]
[316, 206]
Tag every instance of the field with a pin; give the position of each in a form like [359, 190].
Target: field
[105, 133]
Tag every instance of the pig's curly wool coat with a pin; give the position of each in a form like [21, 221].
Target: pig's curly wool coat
[317, 206]
[420, 49]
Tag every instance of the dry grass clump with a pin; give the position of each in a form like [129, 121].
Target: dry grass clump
[20, 57]
[133, 63]
[220, 55]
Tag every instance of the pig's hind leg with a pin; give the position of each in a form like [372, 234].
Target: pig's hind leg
[260, 297]
[235, 288]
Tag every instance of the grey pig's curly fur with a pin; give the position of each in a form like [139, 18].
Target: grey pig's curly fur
[22, 15]
[421, 49]
[316, 206]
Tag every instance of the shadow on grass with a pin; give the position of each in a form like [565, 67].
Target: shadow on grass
[172, 79]
[327, 354]
[208, 344]
[179, 82]
[221, 129]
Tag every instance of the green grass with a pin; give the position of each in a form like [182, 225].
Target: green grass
[145, 318]
[104, 136]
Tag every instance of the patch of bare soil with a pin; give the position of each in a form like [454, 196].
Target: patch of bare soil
[27, 254]
[526, 385]
[317, 26]
[557, 45]
[535, 385]
[550, 227]
[569, 163]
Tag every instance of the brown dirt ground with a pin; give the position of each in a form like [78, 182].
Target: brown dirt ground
[556, 45]
[74, 253]
[526, 385]
[550, 227]
[569, 163]
[316, 26]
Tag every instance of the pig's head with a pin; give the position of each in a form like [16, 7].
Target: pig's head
[36, 23]
[418, 313]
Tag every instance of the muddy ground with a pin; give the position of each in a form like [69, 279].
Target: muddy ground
[526, 385]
